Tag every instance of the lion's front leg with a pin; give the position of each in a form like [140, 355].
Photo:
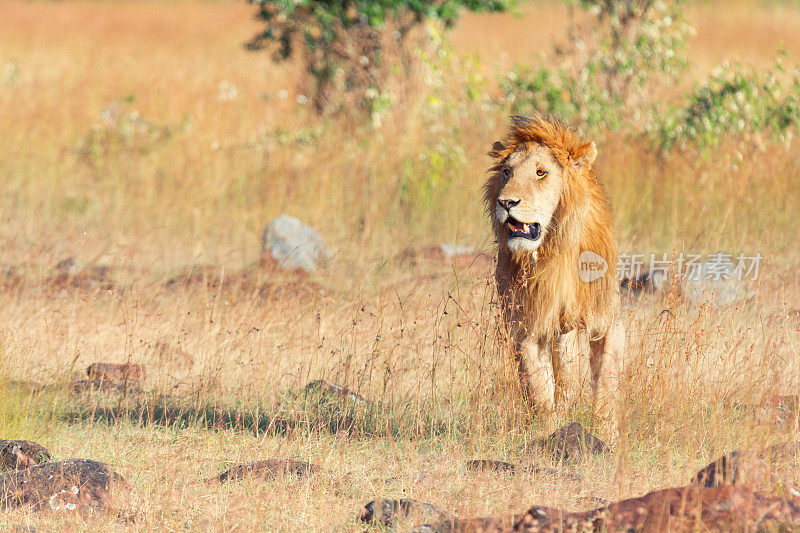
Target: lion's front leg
[536, 377]
[606, 361]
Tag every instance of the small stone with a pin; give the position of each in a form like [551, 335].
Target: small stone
[573, 443]
[488, 465]
[19, 454]
[268, 469]
[326, 388]
[294, 245]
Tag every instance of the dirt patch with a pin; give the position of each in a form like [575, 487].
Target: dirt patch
[260, 279]
[457, 256]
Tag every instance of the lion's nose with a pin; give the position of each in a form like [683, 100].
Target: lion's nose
[508, 204]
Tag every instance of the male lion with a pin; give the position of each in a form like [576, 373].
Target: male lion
[552, 219]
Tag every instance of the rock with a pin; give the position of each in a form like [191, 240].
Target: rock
[294, 245]
[116, 372]
[768, 470]
[388, 512]
[487, 465]
[780, 409]
[712, 283]
[267, 470]
[19, 454]
[475, 525]
[649, 282]
[111, 377]
[692, 508]
[573, 443]
[719, 509]
[326, 388]
[70, 274]
[71, 485]
[11, 277]
[451, 250]
[417, 477]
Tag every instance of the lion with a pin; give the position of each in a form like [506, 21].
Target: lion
[555, 265]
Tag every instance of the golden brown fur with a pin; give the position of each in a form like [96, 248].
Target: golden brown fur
[541, 290]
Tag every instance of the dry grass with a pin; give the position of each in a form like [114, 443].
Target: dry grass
[192, 177]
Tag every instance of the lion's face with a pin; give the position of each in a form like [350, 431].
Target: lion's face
[531, 184]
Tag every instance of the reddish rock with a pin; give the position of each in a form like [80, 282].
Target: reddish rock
[684, 509]
[72, 485]
[267, 470]
[116, 377]
[19, 454]
[698, 509]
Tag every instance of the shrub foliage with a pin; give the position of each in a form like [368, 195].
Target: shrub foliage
[354, 50]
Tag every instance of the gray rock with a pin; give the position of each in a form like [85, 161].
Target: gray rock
[388, 512]
[452, 250]
[293, 245]
[716, 284]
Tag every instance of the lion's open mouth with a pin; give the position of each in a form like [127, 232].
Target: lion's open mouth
[523, 229]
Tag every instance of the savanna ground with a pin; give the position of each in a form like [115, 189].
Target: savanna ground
[143, 137]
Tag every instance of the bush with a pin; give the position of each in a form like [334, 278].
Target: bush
[353, 51]
[734, 100]
[613, 64]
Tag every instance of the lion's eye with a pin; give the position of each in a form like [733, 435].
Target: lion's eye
[506, 172]
[541, 172]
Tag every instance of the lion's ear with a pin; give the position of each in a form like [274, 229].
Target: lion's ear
[497, 147]
[586, 154]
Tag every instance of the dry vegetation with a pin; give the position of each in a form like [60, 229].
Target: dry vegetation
[143, 137]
